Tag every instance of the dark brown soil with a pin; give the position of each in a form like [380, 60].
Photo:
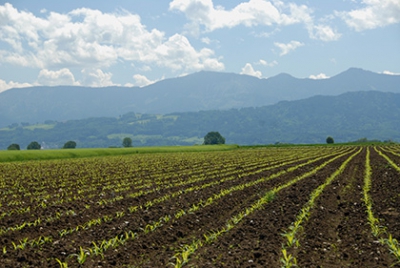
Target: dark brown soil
[337, 233]
[257, 242]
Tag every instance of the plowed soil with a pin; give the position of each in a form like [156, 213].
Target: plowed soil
[336, 234]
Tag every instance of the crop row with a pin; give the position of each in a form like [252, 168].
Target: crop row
[247, 168]
[133, 189]
[384, 235]
[86, 212]
[186, 250]
[29, 179]
[197, 207]
[291, 237]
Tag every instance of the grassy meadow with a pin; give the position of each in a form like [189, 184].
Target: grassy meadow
[24, 155]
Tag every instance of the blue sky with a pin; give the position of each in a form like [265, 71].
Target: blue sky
[135, 43]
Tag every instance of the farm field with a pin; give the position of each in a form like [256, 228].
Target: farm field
[317, 206]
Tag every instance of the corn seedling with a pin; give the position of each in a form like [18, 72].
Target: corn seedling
[81, 256]
[120, 214]
[97, 250]
[209, 238]
[62, 264]
[394, 247]
[288, 260]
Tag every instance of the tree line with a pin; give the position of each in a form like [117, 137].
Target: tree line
[212, 137]
[34, 145]
[286, 122]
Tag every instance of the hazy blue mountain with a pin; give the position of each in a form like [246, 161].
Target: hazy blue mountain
[346, 117]
[195, 92]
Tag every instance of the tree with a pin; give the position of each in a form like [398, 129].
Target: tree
[330, 140]
[213, 137]
[127, 142]
[70, 145]
[34, 145]
[13, 146]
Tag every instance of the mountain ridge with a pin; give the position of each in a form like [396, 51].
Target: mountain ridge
[346, 117]
[199, 91]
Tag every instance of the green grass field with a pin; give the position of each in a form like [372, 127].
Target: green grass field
[24, 155]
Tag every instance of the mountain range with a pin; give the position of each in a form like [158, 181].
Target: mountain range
[200, 91]
[347, 117]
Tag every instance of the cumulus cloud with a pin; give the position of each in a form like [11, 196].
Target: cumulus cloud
[249, 70]
[97, 78]
[141, 80]
[319, 76]
[91, 39]
[178, 54]
[286, 48]
[373, 15]
[251, 13]
[11, 84]
[323, 32]
[390, 73]
[204, 16]
[60, 77]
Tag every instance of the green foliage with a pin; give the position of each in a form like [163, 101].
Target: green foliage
[34, 145]
[14, 146]
[69, 145]
[346, 118]
[127, 142]
[330, 140]
[213, 137]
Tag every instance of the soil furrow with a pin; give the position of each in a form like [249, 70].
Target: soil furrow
[338, 233]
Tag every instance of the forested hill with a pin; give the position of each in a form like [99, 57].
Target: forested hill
[347, 117]
[195, 92]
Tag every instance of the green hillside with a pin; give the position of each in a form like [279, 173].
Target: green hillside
[200, 91]
[347, 117]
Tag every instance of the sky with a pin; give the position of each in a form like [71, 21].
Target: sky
[139, 42]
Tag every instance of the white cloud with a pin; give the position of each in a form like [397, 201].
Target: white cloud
[323, 32]
[7, 85]
[97, 78]
[60, 77]
[249, 70]
[141, 80]
[206, 40]
[178, 54]
[390, 73]
[319, 76]
[375, 14]
[286, 48]
[265, 63]
[251, 13]
[203, 15]
[90, 39]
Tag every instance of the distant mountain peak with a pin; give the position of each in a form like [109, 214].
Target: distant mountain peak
[355, 72]
[201, 91]
[283, 76]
